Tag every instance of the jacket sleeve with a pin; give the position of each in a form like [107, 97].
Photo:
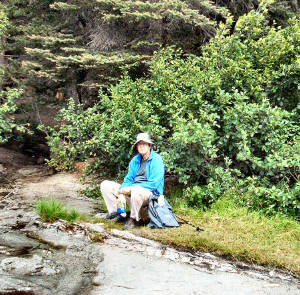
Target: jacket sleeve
[129, 178]
[156, 177]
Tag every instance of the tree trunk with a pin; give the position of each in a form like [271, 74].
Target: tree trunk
[71, 92]
[164, 31]
[2, 60]
[2, 51]
[71, 88]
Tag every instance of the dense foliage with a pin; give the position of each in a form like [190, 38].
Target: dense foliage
[72, 48]
[227, 120]
[8, 97]
[7, 109]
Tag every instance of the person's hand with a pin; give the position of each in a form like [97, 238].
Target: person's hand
[125, 190]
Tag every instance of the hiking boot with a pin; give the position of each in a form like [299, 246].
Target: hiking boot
[119, 218]
[132, 223]
[111, 215]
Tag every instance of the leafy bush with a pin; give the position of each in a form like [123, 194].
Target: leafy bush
[218, 119]
[249, 192]
[261, 194]
[7, 96]
[7, 109]
[93, 192]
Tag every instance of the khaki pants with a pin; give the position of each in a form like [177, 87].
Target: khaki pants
[139, 198]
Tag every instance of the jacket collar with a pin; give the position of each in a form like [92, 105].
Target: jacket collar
[150, 158]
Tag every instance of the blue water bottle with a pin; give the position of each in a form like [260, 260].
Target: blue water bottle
[121, 205]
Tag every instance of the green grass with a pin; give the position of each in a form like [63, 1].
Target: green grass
[237, 233]
[51, 210]
[230, 230]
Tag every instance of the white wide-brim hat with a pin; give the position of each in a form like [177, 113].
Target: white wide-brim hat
[146, 138]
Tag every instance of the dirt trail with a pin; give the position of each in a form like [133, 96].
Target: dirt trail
[130, 264]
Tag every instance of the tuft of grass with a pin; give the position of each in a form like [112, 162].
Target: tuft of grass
[234, 232]
[51, 210]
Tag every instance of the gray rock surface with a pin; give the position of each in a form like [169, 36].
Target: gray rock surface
[38, 268]
[128, 272]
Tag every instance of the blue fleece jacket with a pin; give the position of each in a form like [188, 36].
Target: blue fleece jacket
[155, 173]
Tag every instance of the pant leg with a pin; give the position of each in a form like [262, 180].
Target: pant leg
[109, 190]
[139, 197]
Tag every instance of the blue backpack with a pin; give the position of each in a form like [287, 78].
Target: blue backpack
[161, 213]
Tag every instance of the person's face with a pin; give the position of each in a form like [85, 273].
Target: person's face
[144, 148]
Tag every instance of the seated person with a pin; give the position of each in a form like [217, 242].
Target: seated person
[145, 177]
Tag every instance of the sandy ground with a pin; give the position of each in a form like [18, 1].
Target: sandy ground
[63, 187]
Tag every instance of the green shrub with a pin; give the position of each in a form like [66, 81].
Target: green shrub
[250, 193]
[7, 109]
[218, 119]
[93, 192]
[271, 199]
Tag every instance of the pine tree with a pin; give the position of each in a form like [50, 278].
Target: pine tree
[279, 12]
[79, 46]
[75, 47]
